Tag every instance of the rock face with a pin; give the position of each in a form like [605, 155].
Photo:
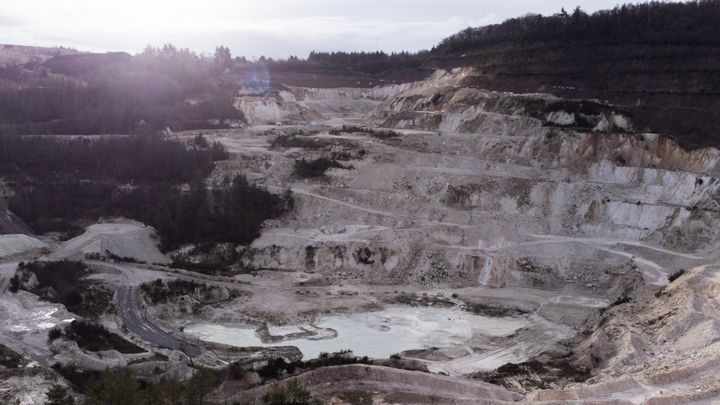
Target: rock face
[488, 188]
[18, 54]
[662, 348]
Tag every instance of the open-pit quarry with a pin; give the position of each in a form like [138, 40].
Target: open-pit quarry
[476, 246]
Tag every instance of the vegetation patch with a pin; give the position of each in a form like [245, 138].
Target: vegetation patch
[54, 334]
[159, 291]
[424, 300]
[9, 359]
[357, 397]
[95, 338]
[125, 159]
[291, 393]
[295, 141]
[63, 184]
[63, 282]
[536, 374]
[58, 395]
[620, 301]
[349, 155]
[78, 377]
[492, 310]
[117, 259]
[119, 386]
[676, 275]
[277, 367]
[375, 133]
[316, 167]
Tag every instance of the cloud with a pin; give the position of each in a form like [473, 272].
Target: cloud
[274, 37]
[7, 20]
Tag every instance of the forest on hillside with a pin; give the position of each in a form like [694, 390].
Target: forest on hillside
[61, 185]
[690, 23]
[84, 94]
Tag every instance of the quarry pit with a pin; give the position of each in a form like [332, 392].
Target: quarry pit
[454, 228]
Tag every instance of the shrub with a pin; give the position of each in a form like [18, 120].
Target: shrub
[621, 300]
[56, 281]
[316, 167]
[94, 338]
[291, 393]
[158, 292]
[293, 141]
[676, 275]
[375, 133]
[275, 367]
[54, 333]
[357, 397]
[119, 386]
[120, 259]
[14, 284]
[57, 395]
[200, 142]
[63, 282]
[236, 371]
[9, 359]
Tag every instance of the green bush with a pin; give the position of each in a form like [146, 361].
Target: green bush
[357, 397]
[291, 393]
[57, 395]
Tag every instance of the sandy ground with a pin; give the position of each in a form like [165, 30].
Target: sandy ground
[17, 244]
[123, 238]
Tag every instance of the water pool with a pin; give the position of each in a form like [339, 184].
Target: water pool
[376, 334]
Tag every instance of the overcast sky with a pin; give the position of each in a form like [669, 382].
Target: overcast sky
[276, 28]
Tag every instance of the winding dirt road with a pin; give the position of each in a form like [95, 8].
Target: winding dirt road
[135, 319]
[136, 322]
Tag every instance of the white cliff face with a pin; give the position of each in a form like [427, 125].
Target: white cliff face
[471, 167]
[297, 104]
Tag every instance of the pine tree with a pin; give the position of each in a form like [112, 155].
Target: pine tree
[57, 395]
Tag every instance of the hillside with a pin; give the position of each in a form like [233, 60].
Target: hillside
[659, 61]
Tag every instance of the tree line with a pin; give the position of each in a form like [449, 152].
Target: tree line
[131, 159]
[693, 22]
[117, 93]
